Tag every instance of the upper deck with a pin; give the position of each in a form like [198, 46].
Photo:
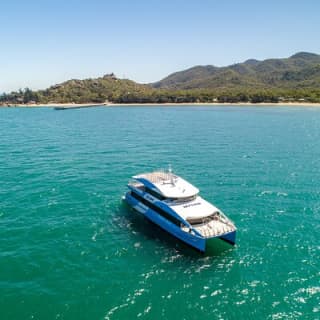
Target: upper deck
[167, 184]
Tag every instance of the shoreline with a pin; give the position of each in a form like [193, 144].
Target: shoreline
[53, 105]
[187, 104]
[217, 104]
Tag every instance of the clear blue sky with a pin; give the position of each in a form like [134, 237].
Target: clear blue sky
[46, 42]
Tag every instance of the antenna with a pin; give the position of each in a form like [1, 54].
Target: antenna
[170, 174]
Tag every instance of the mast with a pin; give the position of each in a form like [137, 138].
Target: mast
[170, 174]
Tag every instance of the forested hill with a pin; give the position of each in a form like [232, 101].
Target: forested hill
[302, 70]
[274, 80]
[99, 90]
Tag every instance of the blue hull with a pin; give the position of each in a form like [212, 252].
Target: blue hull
[193, 240]
[229, 237]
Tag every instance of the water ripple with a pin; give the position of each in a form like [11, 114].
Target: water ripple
[70, 249]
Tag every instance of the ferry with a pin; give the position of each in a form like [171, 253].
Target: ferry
[176, 206]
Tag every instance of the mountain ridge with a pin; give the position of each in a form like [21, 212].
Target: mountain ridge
[296, 78]
[268, 73]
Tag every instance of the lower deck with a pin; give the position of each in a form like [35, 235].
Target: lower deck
[216, 225]
[213, 228]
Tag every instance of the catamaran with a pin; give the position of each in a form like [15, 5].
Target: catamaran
[175, 205]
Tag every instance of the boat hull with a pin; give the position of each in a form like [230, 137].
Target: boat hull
[229, 237]
[192, 240]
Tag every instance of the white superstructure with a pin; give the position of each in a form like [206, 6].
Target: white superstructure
[174, 199]
[169, 185]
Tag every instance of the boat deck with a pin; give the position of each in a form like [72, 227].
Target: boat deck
[168, 184]
[158, 176]
[214, 228]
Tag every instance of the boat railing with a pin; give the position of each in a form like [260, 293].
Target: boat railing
[160, 176]
[225, 220]
[178, 201]
[213, 226]
[136, 184]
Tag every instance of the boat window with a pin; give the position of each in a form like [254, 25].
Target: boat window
[194, 221]
[199, 220]
[158, 210]
[181, 200]
[154, 193]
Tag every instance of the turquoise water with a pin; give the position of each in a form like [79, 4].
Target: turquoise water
[70, 249]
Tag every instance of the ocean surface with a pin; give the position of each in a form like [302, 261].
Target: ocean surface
[70, 249]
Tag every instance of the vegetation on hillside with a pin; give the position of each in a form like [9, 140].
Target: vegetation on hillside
[300, 71]
[107, 88]
[275, 80]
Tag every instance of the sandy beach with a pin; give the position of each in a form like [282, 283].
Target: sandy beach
[216, 104]
[53, 105]
[213, 104]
